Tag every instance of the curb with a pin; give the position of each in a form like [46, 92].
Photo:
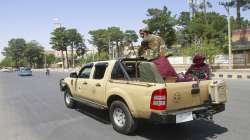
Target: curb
[226, 75]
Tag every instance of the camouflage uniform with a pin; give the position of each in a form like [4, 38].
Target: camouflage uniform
[156, 46]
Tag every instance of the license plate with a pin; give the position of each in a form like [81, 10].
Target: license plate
[184, 117]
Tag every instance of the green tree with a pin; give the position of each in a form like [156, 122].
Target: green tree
[209, 50]
[184, 18]
[213, 30]
[183, 37]
[33, 53]
[15, 50]
[101, 56]
[90, 57]
[75, 40]
[116, 36]
[243, 22]
[238, 4]
[50, 59]
[204, 5]
[199, 6]
[130, 36]
[206, 36]
[59, 42]
[7, 62]
[161, 22]
[100, 39]
[193, 6]
[86, 59]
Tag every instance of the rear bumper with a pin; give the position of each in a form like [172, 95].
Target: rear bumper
[198, 113]
[25, 74]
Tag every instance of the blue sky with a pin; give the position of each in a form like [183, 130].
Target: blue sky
[33, 19]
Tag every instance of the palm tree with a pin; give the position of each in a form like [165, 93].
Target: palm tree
[238, 4]
[59, 42]
[74, 40]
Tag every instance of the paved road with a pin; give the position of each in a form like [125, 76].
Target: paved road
[32, 108]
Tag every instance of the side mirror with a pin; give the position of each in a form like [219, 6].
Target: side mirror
[73, 75]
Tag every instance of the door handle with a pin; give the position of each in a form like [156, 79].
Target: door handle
[84, 83]
[98, 85]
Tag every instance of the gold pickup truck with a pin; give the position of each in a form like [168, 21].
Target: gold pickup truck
[132, 89]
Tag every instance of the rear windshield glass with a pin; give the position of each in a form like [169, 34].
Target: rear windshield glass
[100, 69]
[137, 71]
[25, 69]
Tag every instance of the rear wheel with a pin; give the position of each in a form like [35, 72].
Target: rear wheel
[121, 118]
[69, 102]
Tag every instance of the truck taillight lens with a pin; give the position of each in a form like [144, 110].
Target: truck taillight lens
[159, 100]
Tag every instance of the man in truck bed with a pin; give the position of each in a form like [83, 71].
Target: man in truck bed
[153, 48]
[124, 88]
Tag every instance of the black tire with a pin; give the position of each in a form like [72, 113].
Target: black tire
[69, 102]
[130, 124]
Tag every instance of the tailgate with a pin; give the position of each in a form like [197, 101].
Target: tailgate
[186, 94]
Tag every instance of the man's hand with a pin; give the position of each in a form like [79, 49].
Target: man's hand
[144, 46]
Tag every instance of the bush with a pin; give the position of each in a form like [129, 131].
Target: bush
[101, 56]
[209, 50]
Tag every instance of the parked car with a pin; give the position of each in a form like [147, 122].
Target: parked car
[24, 71]
[8, 69]
[132, 89]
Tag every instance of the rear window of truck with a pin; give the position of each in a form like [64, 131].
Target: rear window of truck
[100, 69]
[136, 71]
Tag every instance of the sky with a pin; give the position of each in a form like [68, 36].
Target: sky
[34, 19]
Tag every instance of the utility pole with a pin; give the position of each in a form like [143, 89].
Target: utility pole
[229, 36]
[93, 55]
[205, 6]
[73, 59]
[58, 24]
[191, 7]
[113, 49]
[110, 51]
[45, 61]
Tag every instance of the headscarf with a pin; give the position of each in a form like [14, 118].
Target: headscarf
[199, 59]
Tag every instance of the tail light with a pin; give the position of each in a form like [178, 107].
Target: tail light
[159, 100]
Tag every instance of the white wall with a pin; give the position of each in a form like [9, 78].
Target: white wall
[219, 59]
[180, 60]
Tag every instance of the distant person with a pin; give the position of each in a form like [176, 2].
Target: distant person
[153, 48]
[47, 72]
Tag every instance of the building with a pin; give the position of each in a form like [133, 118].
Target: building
[49, 52]
[241, 47]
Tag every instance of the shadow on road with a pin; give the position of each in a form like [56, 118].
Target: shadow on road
[196, 130]
[97, 114]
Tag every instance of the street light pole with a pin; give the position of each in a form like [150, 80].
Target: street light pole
[110, 51]
[58, 24]
[45, 61]
[73, 59]
[113, 51]
[229, 36]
